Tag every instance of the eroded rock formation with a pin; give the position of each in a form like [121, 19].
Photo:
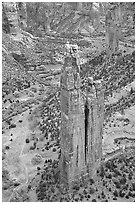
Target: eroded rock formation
[14, 16]
[82, 122]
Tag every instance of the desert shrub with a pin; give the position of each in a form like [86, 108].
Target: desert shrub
[81, 184]
[127, 196]
[130, 176]
[102, 193]
[47, 148]
[27, 140]
[32, 147]
[16, 184]
[106, 170]
[34, 89]
[113, 166]
[31, 94]
[76, 199]
[125, 187]
[84, 192]
[76, 187]
[109, 189]
[94, 200]
[81, 196]
[102, 171]
[16, 95]
[117, 172]
[115, 193]
[108, 164]
[122, 180]
[97, 171]
[12, 126]
[121, 193]
[133, 186]
[118, 185]
[5, 175]
[115, 180]
[7, 147]
[92, 191]
[109, 176]
[20, 121]
[131, 194]
[54, 149]
[91, 180]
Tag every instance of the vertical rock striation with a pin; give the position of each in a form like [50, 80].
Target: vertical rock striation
[82, 122]
[14, 16]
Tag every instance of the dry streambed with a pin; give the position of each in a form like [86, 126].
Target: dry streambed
[21, 158]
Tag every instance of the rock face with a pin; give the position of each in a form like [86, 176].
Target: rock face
[22, 13]
[81, 124]
[14, 16]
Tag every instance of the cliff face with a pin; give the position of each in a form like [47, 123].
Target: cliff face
[17, 44]
[81, 124]
[14, 16]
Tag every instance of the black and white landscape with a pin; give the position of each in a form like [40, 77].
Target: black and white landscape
[37, 37]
